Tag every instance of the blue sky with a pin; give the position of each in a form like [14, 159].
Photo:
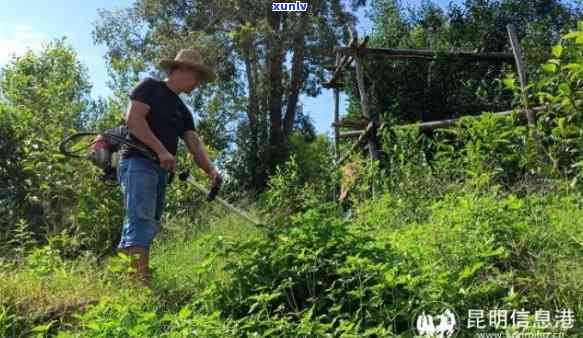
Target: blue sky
[28, 24]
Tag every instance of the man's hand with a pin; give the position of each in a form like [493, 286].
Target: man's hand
[196, 149]
[215, 177]
[167, 161]
[216, 186]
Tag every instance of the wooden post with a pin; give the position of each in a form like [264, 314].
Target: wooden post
[336, 115]
[365, 105]
[517, 51]
[338, 63]
[371, 134]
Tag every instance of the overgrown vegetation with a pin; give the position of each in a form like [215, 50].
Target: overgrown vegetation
[484, 215]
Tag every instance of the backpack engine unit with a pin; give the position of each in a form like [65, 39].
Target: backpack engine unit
[105, 151]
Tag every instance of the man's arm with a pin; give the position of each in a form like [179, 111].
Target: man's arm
[196, 148]
[138, 126]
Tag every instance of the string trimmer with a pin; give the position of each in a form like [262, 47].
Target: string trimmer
[102, 149]
[185, 177]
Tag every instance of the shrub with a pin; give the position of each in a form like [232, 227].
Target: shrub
[320, 270]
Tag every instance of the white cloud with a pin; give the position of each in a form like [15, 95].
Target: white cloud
[17, 39]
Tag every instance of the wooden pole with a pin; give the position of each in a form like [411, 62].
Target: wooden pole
[517, 52]
[393, 53]
[341, 62]
[371, 136]
[346, 122]
[429, 126]
[336, 115]
[362, 139]
[449, 122]
[349, 134]
[364, 104]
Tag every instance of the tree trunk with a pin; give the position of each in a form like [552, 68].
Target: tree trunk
[275, 58]
[252, 113]
[296, 82]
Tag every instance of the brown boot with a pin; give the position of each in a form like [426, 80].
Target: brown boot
[139, 263]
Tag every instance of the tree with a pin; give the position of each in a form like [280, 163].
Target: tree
[271, 57]
[46, 96]
[50, 89]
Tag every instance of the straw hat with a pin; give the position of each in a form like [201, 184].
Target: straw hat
[189, 58]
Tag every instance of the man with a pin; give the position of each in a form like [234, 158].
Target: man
[156, 117]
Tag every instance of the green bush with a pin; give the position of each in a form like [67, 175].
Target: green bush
[320, 269]
[289, 192]
[45, 97]
[486, 250]
[559, 87]
[116, 318]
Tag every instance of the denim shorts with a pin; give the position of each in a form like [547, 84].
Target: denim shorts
[143, 184]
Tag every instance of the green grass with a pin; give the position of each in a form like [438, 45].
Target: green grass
[478, 250]
[43, 287]
[177, 254]
[38, 291]
[490, 250]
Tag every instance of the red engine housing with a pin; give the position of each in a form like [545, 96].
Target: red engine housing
[101, 152]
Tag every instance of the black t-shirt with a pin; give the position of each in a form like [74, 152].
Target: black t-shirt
[168, 117]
